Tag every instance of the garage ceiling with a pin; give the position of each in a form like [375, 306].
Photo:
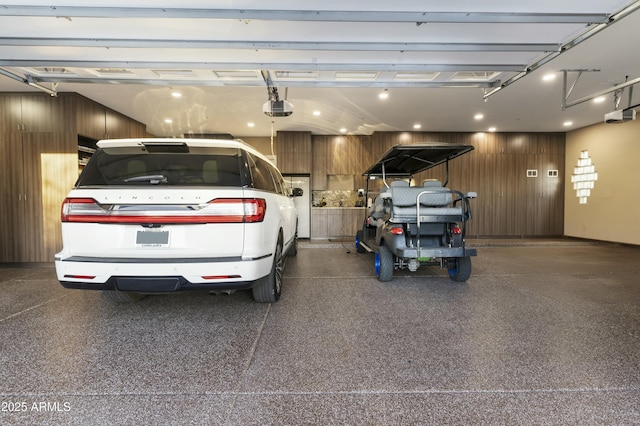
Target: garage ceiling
[440, 64]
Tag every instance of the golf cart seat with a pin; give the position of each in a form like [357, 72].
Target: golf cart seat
[381, 206]
[436, 204]
[379, 210]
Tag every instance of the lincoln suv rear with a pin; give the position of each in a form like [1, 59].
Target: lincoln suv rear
[164, 215]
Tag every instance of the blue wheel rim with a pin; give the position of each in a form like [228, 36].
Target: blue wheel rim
[377, 264]
[453, 271]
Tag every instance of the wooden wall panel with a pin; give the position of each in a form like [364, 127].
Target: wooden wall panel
[508, 205]
[118, 126]
[90, 118]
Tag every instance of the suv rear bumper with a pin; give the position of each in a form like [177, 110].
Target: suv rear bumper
[155, 285]
[161, 275]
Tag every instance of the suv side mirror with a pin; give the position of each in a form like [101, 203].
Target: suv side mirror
[297, 192]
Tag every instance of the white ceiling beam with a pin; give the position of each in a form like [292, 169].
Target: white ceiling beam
[264, 65]
[258, 83]
[280, 45]
[302, 15]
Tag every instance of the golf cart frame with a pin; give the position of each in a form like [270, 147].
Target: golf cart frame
[409, 226]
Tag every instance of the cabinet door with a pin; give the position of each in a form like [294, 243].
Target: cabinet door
[119, 126]
[116, 125]
[91, 119]
[10, 113]
[63, 114]
[50, 170]
[318, 223]
[36, 113]
[11, 195]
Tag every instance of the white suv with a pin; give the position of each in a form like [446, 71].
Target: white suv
[163, 215]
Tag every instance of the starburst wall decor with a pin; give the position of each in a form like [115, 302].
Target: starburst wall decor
[584, 177]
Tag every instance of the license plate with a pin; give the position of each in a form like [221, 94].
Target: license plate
[152, 238]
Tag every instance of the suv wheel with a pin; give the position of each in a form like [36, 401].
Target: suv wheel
[293, 250]
[267, 289]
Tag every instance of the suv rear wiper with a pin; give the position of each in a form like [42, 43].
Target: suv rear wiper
[153, 179]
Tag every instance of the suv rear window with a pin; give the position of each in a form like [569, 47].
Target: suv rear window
[188, 166]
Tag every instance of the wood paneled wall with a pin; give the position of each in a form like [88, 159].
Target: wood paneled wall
[509, 203]
[340, 155]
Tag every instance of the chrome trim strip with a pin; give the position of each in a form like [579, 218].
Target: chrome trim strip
[88, 259]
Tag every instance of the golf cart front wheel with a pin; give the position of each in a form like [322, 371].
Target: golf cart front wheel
[359, 248]
[460, 269]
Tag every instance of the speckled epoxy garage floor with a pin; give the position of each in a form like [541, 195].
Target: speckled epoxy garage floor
[544, 332]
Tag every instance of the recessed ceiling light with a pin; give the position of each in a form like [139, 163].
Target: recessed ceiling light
[599, 99]
[176, 94]
[549, 77]
[251, 124]
[384, 95]
[343, 130]
[168, 120]
[568, 123]
[492, 129]
[478, 116]
[316, 113]
[417, 126]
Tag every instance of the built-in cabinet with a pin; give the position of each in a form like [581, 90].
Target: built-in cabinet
[95, 121]
[293, 150]
[38, 166]
[31, 193]
[338, 222]
[340, 155]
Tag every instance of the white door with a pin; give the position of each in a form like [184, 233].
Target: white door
[303, 204]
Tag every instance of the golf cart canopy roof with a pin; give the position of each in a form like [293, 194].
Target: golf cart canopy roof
[407, 160]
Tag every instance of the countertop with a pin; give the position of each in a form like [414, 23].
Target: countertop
[337, 208]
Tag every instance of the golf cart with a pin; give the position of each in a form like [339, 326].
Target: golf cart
[408, 226]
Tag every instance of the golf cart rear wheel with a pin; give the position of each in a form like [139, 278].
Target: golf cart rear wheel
[384, 264]
[460, 270]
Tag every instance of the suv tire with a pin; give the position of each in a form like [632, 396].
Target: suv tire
[268, 288]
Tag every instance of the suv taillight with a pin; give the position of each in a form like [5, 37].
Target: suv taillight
[231, 210]
[221, 210]
[80, 210]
